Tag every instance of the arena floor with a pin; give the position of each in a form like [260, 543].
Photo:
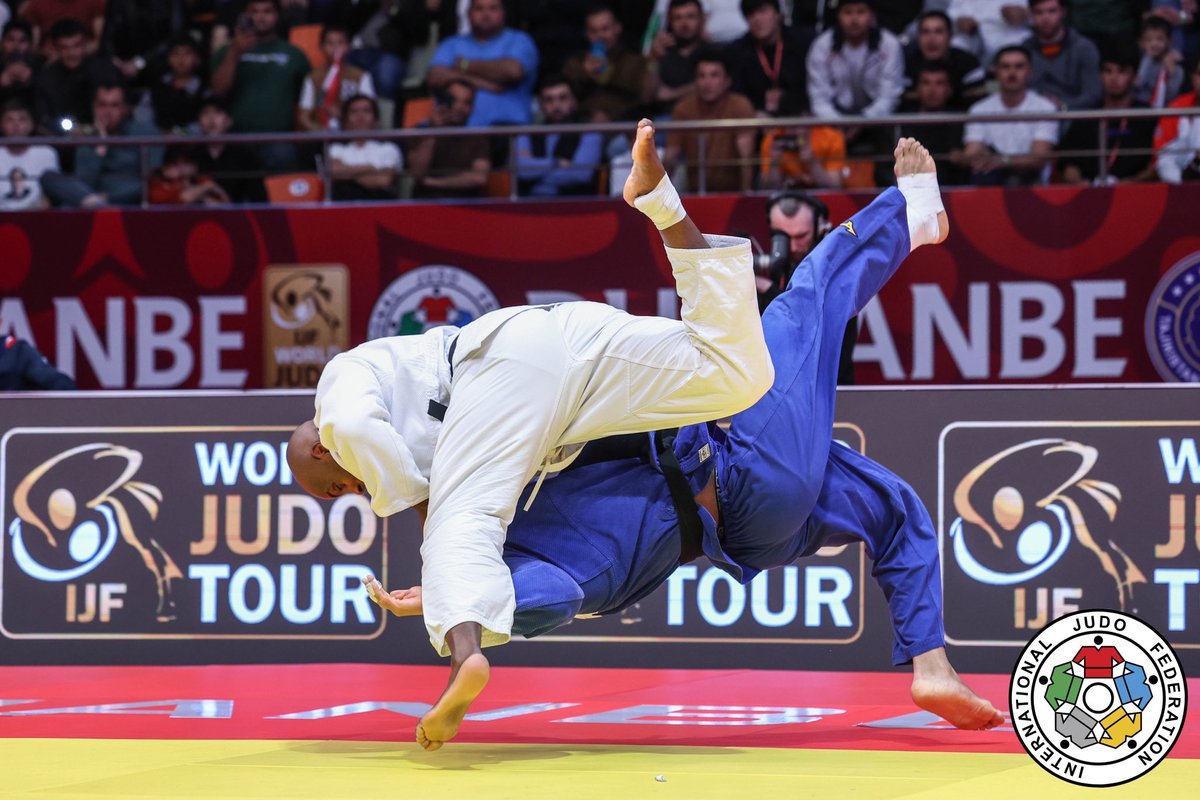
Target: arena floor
[335, 731]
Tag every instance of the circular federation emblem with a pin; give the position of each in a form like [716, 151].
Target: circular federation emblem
[427, 297]
[1098, 698]
[1173, 322]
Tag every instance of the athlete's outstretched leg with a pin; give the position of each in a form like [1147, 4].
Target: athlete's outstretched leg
[862, 500]
[786, 435]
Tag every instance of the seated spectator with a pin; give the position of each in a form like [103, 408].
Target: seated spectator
[330, 84]
[385, 32]
[1010, 153]
[179, 182]
[234, 167]
[1125, 137]
[260, 76]
[63, 90]
[768, 63]
[43, 15]
[1066, 65]
[673, 53]
[499, 63]
[728, 155]
[176, 96]
[610, 81]
[19, 62]
[1160, 73]
[984, 27]
[21, 168]
[450, 166]
[363, 169]
[934, 92]
[1177, 140]
[24, 369]
[558, 164]
[106, 174]
[802, 158]
[967, 76]
[856, 67]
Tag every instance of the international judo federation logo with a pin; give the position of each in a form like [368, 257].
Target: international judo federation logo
[73, 508]
[1173, 322]
[427, 297]
[1098, 698]
[1007, 532]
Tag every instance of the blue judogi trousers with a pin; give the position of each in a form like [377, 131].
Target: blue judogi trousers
[602, 536]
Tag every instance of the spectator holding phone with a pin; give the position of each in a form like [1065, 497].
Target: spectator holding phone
[611, 82]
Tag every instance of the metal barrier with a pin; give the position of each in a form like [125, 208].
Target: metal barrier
[702, 129]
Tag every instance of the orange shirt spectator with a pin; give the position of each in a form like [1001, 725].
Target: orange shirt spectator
[802, 157]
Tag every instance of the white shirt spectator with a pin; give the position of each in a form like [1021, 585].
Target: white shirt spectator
[855, 80]
[367, 153]
[1181, 152]
[1012, 138]
[20, 176]
[993, 34]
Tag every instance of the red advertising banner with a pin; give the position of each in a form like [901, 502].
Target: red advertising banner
[1044, 285]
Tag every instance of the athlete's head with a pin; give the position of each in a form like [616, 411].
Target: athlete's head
[314, 467]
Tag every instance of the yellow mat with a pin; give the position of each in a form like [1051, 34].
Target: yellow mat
[112, 768]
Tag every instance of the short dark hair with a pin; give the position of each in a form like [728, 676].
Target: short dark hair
[1012, 48]
[674, 4]
[714, 55]
[1035, 3]
[553, 79]
[1157, 24]
[16, 104]
[65, 28]
[442, 96]
[247, 3]
[214, 101]
[750, 6]
[334, 27]
[18, 25]
[183, 40]
[940, 65]
[935, 14]
[108, 86]
[1123, 54]
[868, 3]
[359, 98]
[592, 9]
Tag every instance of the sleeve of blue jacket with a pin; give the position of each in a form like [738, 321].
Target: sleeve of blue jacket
[547, 597]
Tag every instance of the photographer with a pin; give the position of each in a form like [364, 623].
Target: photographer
[798, 223]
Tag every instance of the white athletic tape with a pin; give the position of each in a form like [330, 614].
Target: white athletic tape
[662, 205]
[924, 201]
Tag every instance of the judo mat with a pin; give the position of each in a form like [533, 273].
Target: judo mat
[346, 731]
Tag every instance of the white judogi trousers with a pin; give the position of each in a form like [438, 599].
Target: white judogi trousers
[546, 380]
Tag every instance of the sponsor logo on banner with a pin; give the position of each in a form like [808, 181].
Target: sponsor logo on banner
[427, 297]
[1098, 698]
[1038, 520]
[1173, 324]
[177, 532]
[817, 601]
[305, 322]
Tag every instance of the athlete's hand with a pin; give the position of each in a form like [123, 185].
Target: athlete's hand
[401, 602]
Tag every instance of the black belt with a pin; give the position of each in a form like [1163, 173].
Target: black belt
[438, 410]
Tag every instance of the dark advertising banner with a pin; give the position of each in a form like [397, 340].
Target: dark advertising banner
[1059, 284]
[165, 528]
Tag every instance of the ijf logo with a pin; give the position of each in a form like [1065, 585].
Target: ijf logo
[71, 510]
[1173, 322]
[1098, 698]
[1007, 533]
[427, 297]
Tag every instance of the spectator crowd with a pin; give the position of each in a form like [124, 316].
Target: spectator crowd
[119, 68]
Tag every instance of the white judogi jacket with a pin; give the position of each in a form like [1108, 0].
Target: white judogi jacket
[530, 385]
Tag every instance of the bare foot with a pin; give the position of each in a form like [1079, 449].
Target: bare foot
[937, 688]
[648, 168]
[440, 723]
[912, 159]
